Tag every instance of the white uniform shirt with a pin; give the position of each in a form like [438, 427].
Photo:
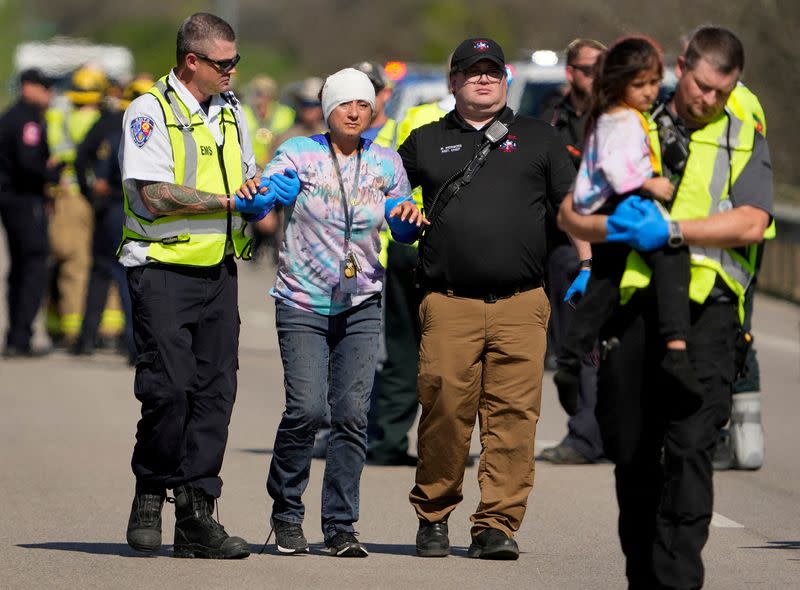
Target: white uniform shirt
[148, 156]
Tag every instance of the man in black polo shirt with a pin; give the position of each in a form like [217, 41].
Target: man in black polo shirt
[484, 313]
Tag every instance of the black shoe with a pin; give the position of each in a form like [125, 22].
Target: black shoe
[289, 537]
[345, 544]
[563, 454]
[197, 534]
[144, 523]
[568, 384]
[11, 352]
[432, 539]
[493, 544]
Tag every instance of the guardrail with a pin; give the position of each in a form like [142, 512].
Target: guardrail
[780, 267]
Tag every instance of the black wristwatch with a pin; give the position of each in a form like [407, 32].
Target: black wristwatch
[585, 263]
[675, 235]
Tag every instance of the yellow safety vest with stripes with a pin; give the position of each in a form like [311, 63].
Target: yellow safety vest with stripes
[393, 135]
[263, 132]
[195, 240]
[718, 153]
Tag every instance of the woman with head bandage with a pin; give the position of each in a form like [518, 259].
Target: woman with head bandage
[328, 306]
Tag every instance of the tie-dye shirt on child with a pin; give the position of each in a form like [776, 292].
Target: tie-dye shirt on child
[616, 160]
[313, 244]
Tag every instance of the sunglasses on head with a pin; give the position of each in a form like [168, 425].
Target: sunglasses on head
[224, 65]
[586, 70]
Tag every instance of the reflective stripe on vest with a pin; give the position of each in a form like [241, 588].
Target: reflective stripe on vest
[194, 240]
[718, 153]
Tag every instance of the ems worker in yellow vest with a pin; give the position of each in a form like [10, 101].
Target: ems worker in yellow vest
[72, 221]
[722, 208]
[185, 151]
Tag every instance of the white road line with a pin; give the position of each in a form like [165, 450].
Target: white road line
[776, 342]
[722, 522]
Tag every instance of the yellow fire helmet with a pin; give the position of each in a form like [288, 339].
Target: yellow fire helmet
[88, 85]
[138, 86]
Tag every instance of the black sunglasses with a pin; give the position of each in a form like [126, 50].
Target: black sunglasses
[224, 65]
[586, 70]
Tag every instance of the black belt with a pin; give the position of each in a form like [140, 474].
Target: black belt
[488, 297]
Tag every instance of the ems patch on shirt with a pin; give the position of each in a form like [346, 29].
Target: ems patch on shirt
[509, 145]
[141, 129]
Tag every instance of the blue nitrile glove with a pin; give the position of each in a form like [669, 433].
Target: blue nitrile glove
[287, 186]
[404, 232]
[578, 286]
[257, 207]
[638, 223]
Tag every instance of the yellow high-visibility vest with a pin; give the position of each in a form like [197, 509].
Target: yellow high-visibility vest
[718, 153]
[194, 240]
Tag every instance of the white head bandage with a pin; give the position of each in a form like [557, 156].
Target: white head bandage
[344, 86]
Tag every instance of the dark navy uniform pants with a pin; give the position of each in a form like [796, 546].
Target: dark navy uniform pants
[665, 502]
[25, 222]
[186, 328]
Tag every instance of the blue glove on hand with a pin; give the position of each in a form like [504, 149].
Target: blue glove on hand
[286, 185]
[404, 232]
[578, 286]
[258, 206]
[638, 223]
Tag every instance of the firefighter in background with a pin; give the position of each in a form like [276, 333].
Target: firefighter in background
[266, 117]
[98, 175]
[72, 221]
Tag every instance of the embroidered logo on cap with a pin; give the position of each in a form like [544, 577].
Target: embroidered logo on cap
[481, 46]
[141, 129]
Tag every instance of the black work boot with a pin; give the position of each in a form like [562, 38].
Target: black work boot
[197, 534]
[432, 539]
[493, 544]
[144, 523]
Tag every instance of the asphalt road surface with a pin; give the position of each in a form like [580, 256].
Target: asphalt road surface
[66, 433]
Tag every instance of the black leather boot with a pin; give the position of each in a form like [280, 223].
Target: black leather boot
[144, 523]
[197, 534]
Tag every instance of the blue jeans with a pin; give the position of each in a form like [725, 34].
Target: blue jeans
[328, 362]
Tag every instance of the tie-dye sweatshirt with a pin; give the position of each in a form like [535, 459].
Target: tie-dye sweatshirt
[616, 160]
[313, 246]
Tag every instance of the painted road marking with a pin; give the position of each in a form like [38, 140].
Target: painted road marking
[722, 522]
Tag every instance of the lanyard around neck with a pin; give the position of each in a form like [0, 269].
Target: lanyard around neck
[348, 217]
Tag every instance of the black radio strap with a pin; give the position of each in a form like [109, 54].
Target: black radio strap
[451, 187]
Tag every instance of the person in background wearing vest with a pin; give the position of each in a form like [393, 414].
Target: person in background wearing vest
[328, 308]
[98, 175]
[394, 402]
[185, 151]
[484, 312]
[721, 210]
[72, 220]
[24, 171]
[568, 115]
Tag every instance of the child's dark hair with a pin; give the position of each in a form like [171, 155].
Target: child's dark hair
[621, 64]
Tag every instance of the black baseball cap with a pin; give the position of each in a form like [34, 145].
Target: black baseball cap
[471, 51]
[35, 76]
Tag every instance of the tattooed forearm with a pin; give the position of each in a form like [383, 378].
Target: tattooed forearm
[165, 198]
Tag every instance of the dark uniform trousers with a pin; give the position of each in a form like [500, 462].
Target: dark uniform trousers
[665, 507]
[397, 385]
[186, 328]
[109, 216]
[25, 222]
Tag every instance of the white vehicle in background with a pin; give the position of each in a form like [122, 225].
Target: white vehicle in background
[61, 56]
